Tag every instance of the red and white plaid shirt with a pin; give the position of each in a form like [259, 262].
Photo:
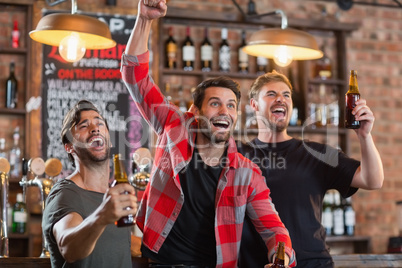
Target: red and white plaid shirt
[241, 187]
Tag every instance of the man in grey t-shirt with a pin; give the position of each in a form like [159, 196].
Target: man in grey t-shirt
[78, 221]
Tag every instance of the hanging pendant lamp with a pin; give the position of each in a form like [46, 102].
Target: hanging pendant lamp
[284, 44]
[73, 33]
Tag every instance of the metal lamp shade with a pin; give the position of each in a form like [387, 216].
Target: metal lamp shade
[301, 45]
[53, 28]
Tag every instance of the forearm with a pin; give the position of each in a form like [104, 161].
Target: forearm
[371, 168]
[77, 242]
[138, 41]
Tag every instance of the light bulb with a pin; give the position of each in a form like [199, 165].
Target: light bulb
[72, 47]
[282, 56]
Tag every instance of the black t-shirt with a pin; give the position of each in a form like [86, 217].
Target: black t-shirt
[192, 238]
[298, 174]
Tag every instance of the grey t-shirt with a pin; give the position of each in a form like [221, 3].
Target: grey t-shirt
[113, 246]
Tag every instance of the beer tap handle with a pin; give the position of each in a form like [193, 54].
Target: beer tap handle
[53, 168]
[24, 178]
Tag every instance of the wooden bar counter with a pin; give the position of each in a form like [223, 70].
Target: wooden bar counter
[28, 262]
[341, 261]
[367, 260]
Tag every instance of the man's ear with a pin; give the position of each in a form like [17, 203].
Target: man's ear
[254, 104]
[193, 109]
[69, 148]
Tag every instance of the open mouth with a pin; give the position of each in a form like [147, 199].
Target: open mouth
[222, 124]
[96, 142]
[279, 112]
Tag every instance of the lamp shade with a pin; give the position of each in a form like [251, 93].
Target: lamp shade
[53, 28]
[301, 45]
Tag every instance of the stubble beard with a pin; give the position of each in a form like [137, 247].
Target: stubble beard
[215, 138]
[86, 156]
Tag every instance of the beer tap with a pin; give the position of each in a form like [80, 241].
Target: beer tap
[37, 167]
[4, 169]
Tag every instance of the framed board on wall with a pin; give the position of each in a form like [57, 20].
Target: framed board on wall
[96, 78]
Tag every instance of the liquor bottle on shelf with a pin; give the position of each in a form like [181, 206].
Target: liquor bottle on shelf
[11, 88]
[350, 100]
[242, 56]
[279, 261]
[350, 217]
[297, 113]
[168, 92]
[3, 152]
[251, 8]
[262, 65]
[206, 53]
[224, 52]
[339, 226]
[171, 51]
[323, 66]
[15, 36]
[333, 108]
[327, 213]
[120, 176]
[15, 155]
[321, 113]
[188, 52]
[312, 99]
[19, 216]
[181, 102]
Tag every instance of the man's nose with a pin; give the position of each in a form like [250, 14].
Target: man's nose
[94, 128]
[279, 98]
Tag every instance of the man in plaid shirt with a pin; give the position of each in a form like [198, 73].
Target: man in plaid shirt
[201, 188]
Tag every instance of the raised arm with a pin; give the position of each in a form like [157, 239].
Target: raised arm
[370, 174]
[148, 10]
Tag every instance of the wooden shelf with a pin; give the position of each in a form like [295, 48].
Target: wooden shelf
[12, 111]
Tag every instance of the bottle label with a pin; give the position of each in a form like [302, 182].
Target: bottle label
[350, 217]
[327, 219]
[15, 35]
[188, 53]
[243, 57]
[171, 48]
[325, 74]
[224, 58]
[339, 227]
[206, 53]
[20, 216]
[261, 61]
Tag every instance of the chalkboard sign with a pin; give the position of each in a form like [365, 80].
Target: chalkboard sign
[96, 78]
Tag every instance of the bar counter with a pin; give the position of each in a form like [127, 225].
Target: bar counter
[28, 262]
[341, 261]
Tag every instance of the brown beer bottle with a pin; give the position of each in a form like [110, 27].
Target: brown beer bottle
[120, 176]
[350, 100]
[279, 261]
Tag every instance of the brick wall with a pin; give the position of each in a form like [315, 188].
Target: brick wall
[375, 50]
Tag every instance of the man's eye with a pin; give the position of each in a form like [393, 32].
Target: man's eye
[214, 104]
[232, 106]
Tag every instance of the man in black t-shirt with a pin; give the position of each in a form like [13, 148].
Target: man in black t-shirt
[299, 173]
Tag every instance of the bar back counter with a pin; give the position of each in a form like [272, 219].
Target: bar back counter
[341, 261]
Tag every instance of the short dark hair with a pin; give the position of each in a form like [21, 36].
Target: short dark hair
[221, 81]
[72, 118]
[264, 79]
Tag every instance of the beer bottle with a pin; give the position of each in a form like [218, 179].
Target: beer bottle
[120, 176]
[279, 261]
[350, 100]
